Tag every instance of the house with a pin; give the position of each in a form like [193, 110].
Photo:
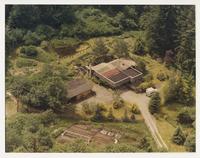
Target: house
[117, 72]
[78, 89]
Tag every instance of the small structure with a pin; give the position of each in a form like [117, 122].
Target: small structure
[117, 72]
[79, 89]
[150, 91]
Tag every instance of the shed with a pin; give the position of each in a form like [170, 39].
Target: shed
[78, 88]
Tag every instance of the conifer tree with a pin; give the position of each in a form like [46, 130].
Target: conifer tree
[178, 136]
[154, 104]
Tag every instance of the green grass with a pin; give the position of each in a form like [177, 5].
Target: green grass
[25, 62]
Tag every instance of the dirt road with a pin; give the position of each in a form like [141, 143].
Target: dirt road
[142, 101]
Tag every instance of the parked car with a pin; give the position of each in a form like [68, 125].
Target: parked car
[150, 91]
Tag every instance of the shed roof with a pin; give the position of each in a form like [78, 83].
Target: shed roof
[78, 86]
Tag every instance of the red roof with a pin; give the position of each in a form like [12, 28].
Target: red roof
[110, 73]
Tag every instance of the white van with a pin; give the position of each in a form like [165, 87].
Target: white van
[150, 91]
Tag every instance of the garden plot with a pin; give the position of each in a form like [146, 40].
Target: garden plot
[89, 134]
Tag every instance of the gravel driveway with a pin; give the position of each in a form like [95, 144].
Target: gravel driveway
[103, 95]
[142, 101]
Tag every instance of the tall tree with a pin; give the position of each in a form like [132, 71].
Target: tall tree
[120, 48]
[99, 48]
[185, 57]
[154, 104]
[178, 136]
[160, 28]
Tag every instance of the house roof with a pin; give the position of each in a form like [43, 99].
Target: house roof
[77, 86]
[117, 70]
[122, 64]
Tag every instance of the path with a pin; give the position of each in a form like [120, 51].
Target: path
[142, 101]
[13, 98]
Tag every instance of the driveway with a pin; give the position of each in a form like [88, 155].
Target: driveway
[142, 101]
[103, 95]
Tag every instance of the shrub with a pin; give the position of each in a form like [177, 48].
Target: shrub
[110, 116]
[154, 104]
[47, 117]
[178, 136]
[65, 46]
[44, 44]
[132, 117]
[99, 48]
[118, 103]
[184, 118]
[22, 62]
[29, 51]
[32, 38]
[162, 76]
[148, 77]
[98, 116]
[86, 108]
[139, 47]
[144, 144]
[57, 132]
[134, 109]
[190, 143]
[141, 66]
[125, 117]
[143, 86]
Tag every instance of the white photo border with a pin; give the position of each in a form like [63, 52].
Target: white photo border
[3, 154]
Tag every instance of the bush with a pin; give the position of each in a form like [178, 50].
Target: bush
[47, 117]
[144, 144]
[141, 66]
[44, 44]
[139, 47]
[178, 136]
[32, 38]
[110, 116]
[29, 51]
[125, 117]
[162, 76]
[143, 86]
[22, 62]
[148, 77]
[57, 132]
[190, 143]
[154, 104]
[86, 108]
[184, 118]
[133, 117]
[118, 103]
[98, 116]
[65, 46]
[135, 109]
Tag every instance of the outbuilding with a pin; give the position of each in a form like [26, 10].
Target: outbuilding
[79, 89]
